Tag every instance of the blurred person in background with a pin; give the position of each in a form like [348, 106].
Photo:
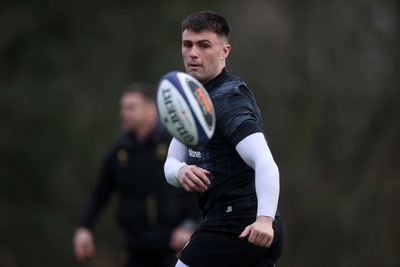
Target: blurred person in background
[156, 219]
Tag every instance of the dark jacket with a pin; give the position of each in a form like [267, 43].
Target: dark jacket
[149, 208]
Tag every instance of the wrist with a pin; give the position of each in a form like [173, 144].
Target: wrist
[82, 229]
[265, 219]
[178, 169]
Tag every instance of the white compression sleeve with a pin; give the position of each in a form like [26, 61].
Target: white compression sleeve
[174, 162]
[255, 152]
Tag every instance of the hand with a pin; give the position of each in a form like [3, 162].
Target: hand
[83, 244]
[260, 233]
[193, 178]
[180, 236]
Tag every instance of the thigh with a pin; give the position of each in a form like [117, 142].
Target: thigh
[160, 258]
[166, 259]
[213, 248]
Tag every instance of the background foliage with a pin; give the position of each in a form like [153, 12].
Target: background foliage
[325, 74]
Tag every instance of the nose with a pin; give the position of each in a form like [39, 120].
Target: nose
[193, 52]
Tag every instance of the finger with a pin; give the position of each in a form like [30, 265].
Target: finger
[263, 242]
[245, 232]
[192, 186]
[206, 172]
[253, 238]
[201, 174]
[195, 178]
[199, 180]
[200, 186]
[188, 185]
[81, 253]
[78, 253]
[256, 238]
[90, 250]
[269, 239]
[269, 242]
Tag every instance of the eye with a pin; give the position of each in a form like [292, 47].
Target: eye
[203, 46]
[187, 44]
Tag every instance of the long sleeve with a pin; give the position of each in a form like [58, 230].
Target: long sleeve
[174, 162]
[255, 152]
[98, 197]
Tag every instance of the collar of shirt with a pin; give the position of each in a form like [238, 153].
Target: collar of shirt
[218, 80]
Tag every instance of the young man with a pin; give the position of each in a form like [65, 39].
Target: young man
[236, 177]
[156, 219]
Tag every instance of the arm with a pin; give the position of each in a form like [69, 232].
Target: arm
[179, 174]
[255, 152]
[83, 237]
[174, 162]
[98, 197]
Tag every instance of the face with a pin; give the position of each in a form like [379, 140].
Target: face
[133, 111]
[204, 54]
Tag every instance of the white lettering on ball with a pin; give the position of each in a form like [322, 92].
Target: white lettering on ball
[172, 114]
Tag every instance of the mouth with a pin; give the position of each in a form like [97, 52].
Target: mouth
[193, 66]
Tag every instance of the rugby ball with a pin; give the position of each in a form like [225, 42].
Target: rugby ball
[185, 108]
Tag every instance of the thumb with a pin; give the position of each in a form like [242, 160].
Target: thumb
[245, 232]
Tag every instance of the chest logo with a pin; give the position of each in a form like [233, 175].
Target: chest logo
[122, 156]
[161, 151]
[194, 153]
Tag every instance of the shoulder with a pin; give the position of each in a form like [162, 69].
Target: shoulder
[230, 86]
[233, 95]
[120, 142]
[232, 89]
[123, 140]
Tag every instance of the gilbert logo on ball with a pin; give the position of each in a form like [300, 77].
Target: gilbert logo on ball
[185, 108]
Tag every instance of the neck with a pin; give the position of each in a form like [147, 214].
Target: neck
[147, 127]
[220, 69]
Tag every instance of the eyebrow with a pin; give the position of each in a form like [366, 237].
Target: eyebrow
[197, 41]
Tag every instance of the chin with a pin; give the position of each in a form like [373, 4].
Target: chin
[196, 76]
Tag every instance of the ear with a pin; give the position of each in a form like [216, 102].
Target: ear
[225, 50]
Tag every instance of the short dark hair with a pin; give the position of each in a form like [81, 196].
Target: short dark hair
[207, 20]
[146, 89]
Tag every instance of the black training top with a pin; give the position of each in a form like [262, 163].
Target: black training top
[231, 194]
[149, 208]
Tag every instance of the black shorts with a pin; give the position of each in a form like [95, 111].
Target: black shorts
[217, 246]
